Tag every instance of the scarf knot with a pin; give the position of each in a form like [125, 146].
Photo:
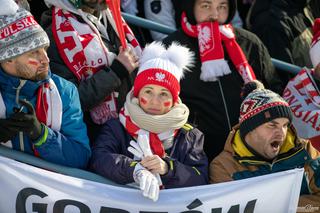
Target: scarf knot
[161, 129]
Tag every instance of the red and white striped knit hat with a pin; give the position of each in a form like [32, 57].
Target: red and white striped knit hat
[315, 45]
[163, 67]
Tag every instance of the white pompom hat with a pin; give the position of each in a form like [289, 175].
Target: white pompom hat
[163, 67]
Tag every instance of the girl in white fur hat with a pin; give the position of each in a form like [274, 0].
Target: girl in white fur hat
[151, 143]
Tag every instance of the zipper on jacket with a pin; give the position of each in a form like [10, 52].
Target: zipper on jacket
[22, 83]
[225, 104]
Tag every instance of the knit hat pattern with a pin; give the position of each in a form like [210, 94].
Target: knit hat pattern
[163, 67]
[261, 106]
[19, 32]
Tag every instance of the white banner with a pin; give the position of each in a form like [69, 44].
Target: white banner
[24, 188]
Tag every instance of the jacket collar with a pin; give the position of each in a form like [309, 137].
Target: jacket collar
[9, 84]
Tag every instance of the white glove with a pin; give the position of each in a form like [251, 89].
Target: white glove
[135, 150]
[147, 181]
[143, 142]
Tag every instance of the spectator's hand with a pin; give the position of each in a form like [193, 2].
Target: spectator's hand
[27, 122]
[6, 133]
[135, 150]
[155, 164]
[128, 59]
[147, 181]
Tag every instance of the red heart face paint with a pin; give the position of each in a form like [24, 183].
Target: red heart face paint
[143, 100]
[167, 104]
[33, 62]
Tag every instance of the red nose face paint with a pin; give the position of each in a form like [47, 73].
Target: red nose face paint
[143, 101]
[167, 104]
[33, 62]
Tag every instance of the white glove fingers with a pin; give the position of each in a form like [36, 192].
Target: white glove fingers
[135, 152]
[148, 183]
[154, 190]
[143, 141]
[136, 146]
[143, 180]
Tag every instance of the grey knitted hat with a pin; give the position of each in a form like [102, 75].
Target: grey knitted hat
[19, 31]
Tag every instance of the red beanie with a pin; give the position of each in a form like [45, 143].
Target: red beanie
[163, 67]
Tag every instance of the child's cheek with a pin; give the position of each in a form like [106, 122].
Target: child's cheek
[143, 101]
[167, 103]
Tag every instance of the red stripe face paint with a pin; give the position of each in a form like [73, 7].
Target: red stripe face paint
[33, 62]
[167, 103]
[143, 101]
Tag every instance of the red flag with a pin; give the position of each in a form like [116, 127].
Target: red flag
[114, 6]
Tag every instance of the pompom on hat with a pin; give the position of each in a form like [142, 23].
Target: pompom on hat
[314, 51]
[259, 106]
[163, 67]
[19, 32]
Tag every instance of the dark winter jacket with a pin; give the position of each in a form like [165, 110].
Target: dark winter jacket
[94, 90]
[285, 27]
[187, 163]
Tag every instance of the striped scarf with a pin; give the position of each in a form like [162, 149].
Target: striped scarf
[161, 128]
[210, 37]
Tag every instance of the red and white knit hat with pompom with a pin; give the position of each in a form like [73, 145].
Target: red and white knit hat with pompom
[163, 67]
[315, 45]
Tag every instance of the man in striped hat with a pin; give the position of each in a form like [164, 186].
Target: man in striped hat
[264, 142]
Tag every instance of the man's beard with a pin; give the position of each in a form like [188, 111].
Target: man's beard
[26, 73]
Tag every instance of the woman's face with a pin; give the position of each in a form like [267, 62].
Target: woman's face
[155, 99]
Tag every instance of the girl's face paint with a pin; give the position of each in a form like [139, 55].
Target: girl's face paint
[167, 103]
[143, 100]
[155, 100]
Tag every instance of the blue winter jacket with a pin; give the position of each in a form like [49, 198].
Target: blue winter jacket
[188, 164]
[69, 146]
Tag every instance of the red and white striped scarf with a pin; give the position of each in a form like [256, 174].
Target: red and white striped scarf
[155, 139]
[83, 51]
[210, 35]
[303, 97]
[49, 105]
[160, 128]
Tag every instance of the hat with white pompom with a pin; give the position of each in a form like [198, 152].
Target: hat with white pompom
[163, 67]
